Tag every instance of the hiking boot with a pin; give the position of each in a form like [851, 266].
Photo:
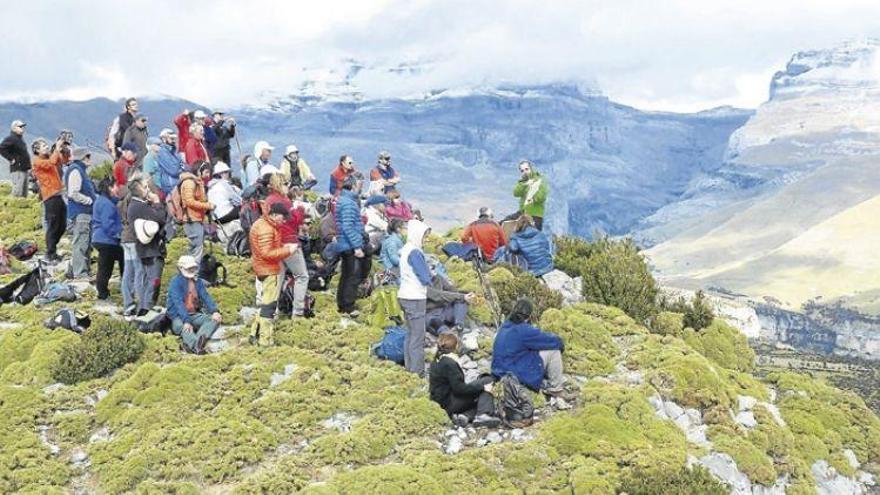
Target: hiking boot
[200, 344]
[252, 339]
[486, 421]
[460, 420]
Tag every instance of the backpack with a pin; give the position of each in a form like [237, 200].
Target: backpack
[390, 347]
[212, 271]
[25, 288]
[239, 244]
[69, 319]
[386, 307]
[285, 299]
[517, 409]
[175, 204]
[56, 291]
[23, 250]
[156, 320]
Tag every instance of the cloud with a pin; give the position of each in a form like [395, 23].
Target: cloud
[676, 55]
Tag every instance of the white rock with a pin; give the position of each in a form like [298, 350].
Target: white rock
[79, 458]
[454, 445]
[694, 416]
[216, 346]
[771, 393]
[830, 482]
[469, 342]
[747, 419]
[697, 435]
[248, 314]
[102, 435]
[494, 437]
[723, 467]
[746, 403]
[673, 410]
[851, 458]
[51, 389]
[279, 378]
[570, 288]
[774, 411]
[340, 421]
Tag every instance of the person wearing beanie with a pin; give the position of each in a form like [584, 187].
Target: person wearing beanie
[279, 194]
[415, 278]
[486, 233]
[464, 402]
[137, 135]
[194, 314]
[15, 151]
[267, 254]
[533, 356]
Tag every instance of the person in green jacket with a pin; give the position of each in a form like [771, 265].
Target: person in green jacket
[532, 193]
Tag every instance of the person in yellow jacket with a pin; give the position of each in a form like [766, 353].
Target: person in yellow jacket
[295, 170]
[267, 254]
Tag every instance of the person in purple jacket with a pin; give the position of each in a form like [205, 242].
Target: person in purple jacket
[533, 356]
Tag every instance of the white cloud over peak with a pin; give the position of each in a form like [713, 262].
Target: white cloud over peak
[676, 55]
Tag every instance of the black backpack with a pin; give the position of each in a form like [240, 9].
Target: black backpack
[23, 250]
[285, 299]
[212, 271]
[517, 409]
[155, 321]
[69, 319]
[239, 244]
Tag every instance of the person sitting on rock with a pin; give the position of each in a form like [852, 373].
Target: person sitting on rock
[194, 315]
[486, 233]
[533, 356]
[465, 402]
[533, 245]
[446, 306]
[396, 207]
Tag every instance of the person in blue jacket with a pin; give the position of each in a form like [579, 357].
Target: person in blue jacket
[106, 229]
[391, 246]
[533, 245]
[350, 246]
[170, 165]
[533, 356]
[194, 314]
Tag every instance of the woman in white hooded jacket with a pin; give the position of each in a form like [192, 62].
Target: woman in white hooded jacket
[415, 277]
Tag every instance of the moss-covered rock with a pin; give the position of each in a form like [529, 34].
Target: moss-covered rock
[723, 344]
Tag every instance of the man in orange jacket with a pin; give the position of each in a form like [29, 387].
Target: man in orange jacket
[196, 206]
[485, 233]
[47, 172]
[267, 253]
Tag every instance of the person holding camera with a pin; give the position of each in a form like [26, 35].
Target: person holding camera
[531, 189]
[224, 130]
[47, 172]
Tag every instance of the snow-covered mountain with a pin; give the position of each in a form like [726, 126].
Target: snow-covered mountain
[457, 149]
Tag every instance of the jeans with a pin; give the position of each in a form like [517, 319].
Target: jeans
[203, 326]
[414, 343]
[553, 379]
[55, 218]
[148, 291]
[296, 265]
[81, 247]
[452, 314]
[132, 274]
[108, 255]
[195, 233]
[19, 184]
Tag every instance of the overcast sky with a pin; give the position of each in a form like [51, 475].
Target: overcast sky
[664, 55]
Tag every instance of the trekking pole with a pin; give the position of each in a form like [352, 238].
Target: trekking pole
[488, 292]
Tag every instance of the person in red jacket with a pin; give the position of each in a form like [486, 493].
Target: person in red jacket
[290, 230]
[125, 166]
[195, 150]
[486, 233]
[183, 123]
[339, 174]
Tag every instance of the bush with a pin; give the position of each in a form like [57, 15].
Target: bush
[668, 323]
[682, 482]
[98, 172]
[724, 345]
[616, 274]
[521, 283]
[105, 346]
[571, 252]
[697, 313]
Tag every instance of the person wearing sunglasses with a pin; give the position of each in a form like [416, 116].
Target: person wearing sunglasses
[137, 135]
[342, 171]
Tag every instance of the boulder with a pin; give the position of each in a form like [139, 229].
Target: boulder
[570, 288]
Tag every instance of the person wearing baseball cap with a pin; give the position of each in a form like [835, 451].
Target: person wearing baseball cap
[486, 233]
[80, 199]
[295, 169]
[15, 151]
[125, 165]
[194, 314]
[267, 254]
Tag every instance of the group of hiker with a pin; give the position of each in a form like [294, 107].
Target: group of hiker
[182, 180]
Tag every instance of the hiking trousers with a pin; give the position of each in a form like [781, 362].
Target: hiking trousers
[349, 278]
[108, 255]
[132, 274]
[203, 325]
[553, 379]
[296, 265]
[19, 183]
[55, 217]
[414, 343]
[472, 406]
[81, 246]
[148, 290]
[195, 234]
[263, 328]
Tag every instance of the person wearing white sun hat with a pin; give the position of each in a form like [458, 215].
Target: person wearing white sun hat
[193, 312]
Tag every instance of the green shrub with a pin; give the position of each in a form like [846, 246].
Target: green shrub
[616, 274]
[723, 344]
[98, 172]
[102, 348]
[682, 482]
[699, 314]
[522, 283]
[571, 252]
[668, 323]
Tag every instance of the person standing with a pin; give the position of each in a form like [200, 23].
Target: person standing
[290, 230]
[415, 277]
[131, 262]
[150, 165]
[224, 129]
[532, 193]
[170, 163]
[194, 314]
[184, 122]
[267, 253]
[147, 216]
[15, 151]
[47, 172]
[195, 150]
[486, 233]
[123, 122]
[137, 134]
[106, 232]
[196, 207]
[80, 199]
[125, 165]
[350, 246]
